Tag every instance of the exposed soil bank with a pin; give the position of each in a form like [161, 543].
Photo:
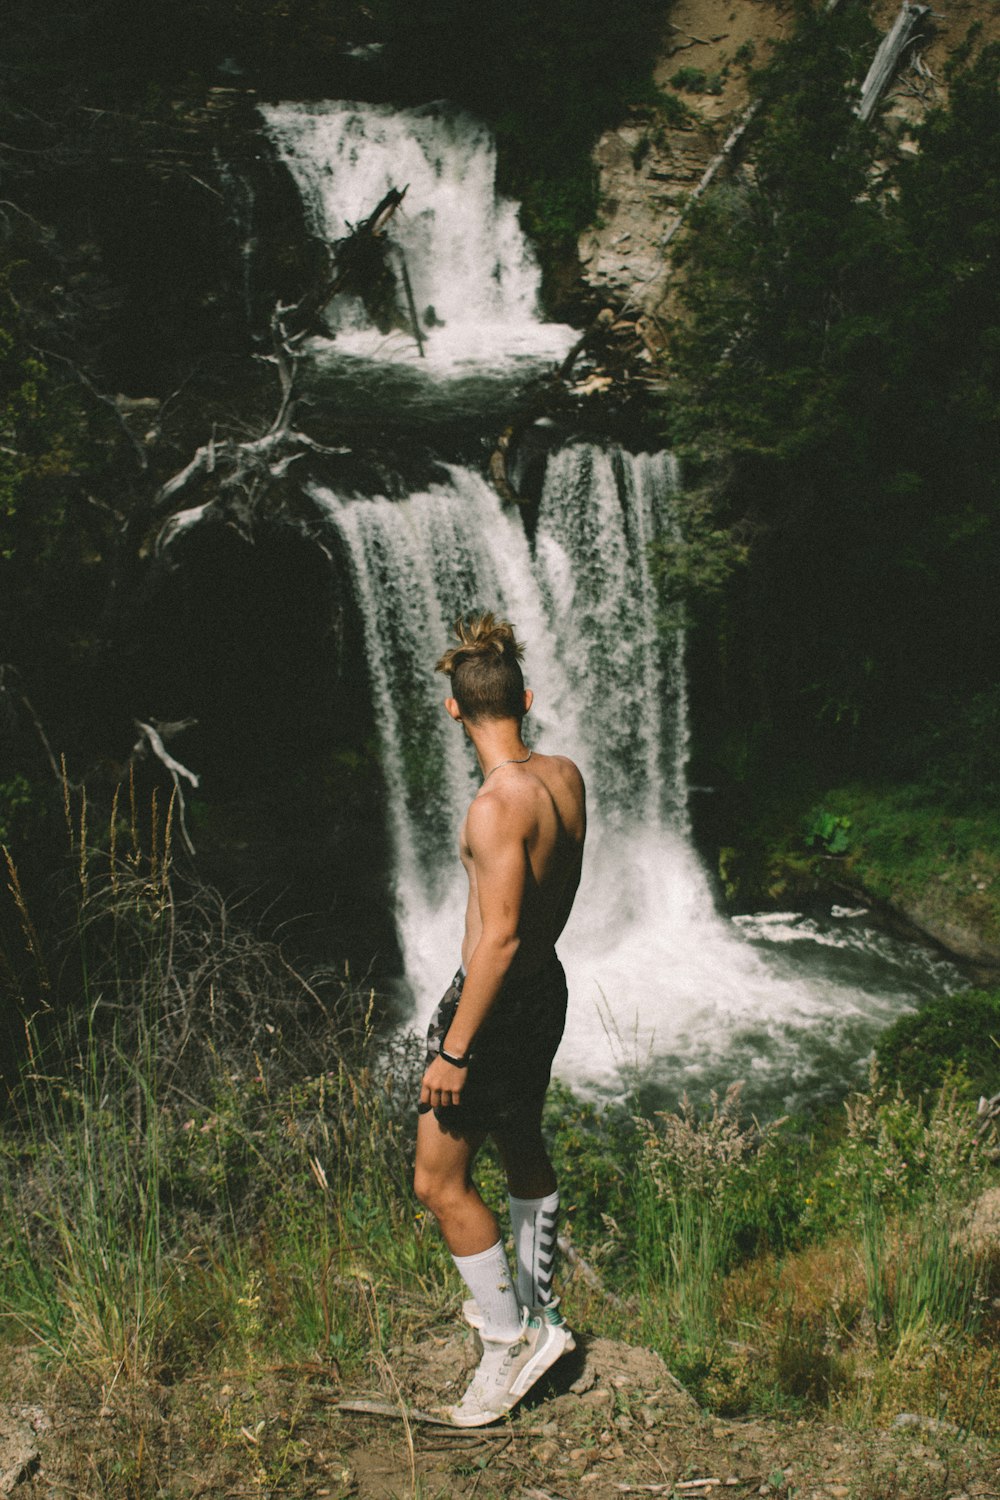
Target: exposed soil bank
[608, 1423]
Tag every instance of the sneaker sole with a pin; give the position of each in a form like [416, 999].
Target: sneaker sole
[475, 1320]
[486, 1420]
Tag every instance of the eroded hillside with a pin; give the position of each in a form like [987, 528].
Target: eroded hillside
[649, 165]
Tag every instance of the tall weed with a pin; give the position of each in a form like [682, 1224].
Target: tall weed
[193, 1118]
[694, 1179]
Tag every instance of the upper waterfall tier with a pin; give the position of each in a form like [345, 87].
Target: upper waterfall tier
[474, 279]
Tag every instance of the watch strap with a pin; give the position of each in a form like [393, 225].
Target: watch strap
[456, 1062]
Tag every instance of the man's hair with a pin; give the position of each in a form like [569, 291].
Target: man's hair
[484, 668]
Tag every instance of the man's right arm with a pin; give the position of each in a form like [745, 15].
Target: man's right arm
[496, 843]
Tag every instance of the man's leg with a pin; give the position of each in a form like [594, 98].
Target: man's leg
[443, 1183]
[534, 1206]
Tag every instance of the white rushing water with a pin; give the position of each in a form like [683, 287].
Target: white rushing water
[475, 280]
[661, 986]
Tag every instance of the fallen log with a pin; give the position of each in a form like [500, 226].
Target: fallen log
[401, 1413]
[887, 59]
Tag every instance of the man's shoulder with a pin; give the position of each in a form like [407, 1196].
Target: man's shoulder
[564, 760]
[564, 767]
[497, 812]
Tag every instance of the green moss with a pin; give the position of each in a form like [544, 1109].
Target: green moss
[907, 850]
[955, 1032]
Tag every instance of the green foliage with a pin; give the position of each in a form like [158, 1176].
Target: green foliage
[928, 853]
[956, 754]
[673, 111]
[827, 831]
[696, 81]
[839, 374]
[593, 1151]
[956, 1032]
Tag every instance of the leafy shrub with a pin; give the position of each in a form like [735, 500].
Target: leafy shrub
[673, 111]
[898, 1154]
[954, 1032]
[691, 80]
[828, 832]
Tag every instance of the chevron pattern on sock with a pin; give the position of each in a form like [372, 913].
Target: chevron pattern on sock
[545, 1255]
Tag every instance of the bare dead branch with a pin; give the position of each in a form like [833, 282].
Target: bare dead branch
[151, 736]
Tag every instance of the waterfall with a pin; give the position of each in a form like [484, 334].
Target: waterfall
[585, 604]
[475, 280]
[662, 987]
[660, 984]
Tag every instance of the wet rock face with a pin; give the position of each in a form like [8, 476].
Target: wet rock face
[172, 243]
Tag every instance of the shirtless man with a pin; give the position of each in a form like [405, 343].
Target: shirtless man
[493, 1036]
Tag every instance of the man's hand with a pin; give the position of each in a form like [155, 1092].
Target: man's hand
[442, 1085]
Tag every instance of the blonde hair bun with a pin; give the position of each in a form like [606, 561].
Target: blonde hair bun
[480, 635]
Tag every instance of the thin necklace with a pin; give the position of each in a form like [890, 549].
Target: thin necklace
[515, 760]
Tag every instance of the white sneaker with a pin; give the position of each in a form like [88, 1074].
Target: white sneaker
[507, 1371]
[550, 1312]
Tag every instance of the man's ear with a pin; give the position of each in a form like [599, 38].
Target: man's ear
[529, 699]
[452, 708]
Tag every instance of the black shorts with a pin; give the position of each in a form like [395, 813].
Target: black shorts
[511, 1060]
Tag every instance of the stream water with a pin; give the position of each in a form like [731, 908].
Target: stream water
[664, 990]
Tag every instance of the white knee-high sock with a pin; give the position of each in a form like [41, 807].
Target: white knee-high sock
[534, 1223]
[487, 1275]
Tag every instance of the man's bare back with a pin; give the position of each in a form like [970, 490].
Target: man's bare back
[542, 801]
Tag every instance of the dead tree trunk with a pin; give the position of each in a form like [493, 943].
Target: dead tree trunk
[887, 59]
[249, 466]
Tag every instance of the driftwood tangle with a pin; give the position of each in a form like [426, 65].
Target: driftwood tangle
[361, 250]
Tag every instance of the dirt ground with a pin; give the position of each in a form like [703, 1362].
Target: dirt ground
[608, 1421]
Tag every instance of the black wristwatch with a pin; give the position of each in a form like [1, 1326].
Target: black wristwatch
[456, 1062]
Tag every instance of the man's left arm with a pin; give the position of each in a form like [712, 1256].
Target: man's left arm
[496, 841]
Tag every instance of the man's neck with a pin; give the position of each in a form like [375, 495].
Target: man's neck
[496, 741]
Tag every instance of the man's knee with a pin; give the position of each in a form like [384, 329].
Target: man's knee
[437, 1193]
[423, 1187]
